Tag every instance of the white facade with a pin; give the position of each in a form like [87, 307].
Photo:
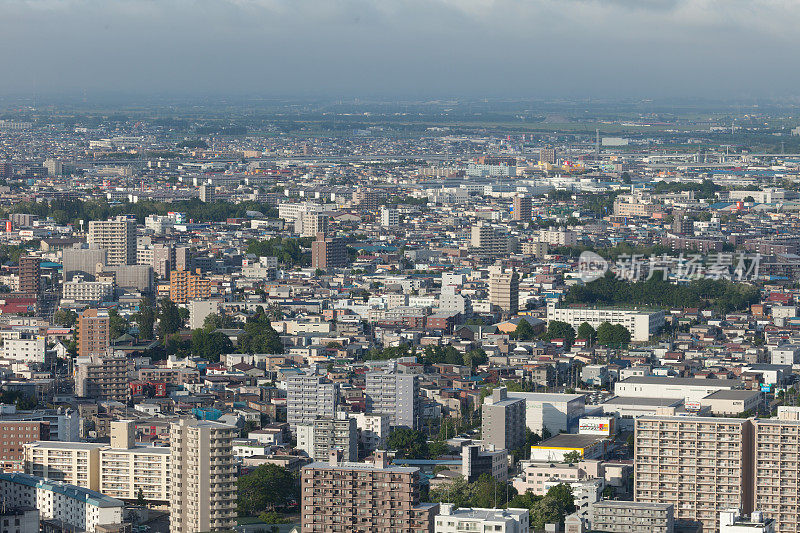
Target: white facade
[556, 412]
[88, 291]
[390, 218]
[453, 520]
[373, 430]
[640, 324]
[688, 389]
[25, 350]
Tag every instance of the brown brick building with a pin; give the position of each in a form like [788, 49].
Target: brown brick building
[341, 496]
[328, 252]
[93, 333]
[13, 435]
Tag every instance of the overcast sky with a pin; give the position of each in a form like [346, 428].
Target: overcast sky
[402, 48]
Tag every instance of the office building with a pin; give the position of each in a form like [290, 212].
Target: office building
[308, 397]
[503, 420]
[396, 395]
[452, 519]
[327, 433]
[117, 236]
[700, 465]
[202, 476]
[185, 286]
[504, 290]
[83, 261]
[13, 436]
[62, 507]
[640, 323]
[522, 208]
[328, 252]
[93, 333]
[475, 461]
[379, 497]
[556, 412]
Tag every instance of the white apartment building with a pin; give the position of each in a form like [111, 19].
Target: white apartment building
[118, 236]
[458, 520]
[700, 465]
[396, 395]
[640, 323]
[76, 508]
[390, 218]
[202, 476]
[558, 237]
[25, 350]
[91, 292]
[307, 397]
[373, 430]
[75, 463]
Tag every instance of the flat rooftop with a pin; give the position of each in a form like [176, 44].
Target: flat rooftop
[545, 397]
[631, 401]
[732, 395]
[697, 382]
[569, 440]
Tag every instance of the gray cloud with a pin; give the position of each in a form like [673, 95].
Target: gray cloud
[401, 47]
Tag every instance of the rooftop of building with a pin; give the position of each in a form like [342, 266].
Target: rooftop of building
[570, 440]
[545, 397]
[734, 394]
[668, 380]
[366, 467]
[643, 402]
[78, 493]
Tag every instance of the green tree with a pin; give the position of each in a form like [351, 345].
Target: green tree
[169, 319]
[146, 318]
[65, 317]
[485, 492]
[259, 336]
[409, 443]
[117, 325]
[271, 517]
[210, 344]
[267, 488]
[219, 321]
[614, 335]
[572, 457]
[524, 331]
[586, 331]
[475, 357]
[437, 448]
[561, 330]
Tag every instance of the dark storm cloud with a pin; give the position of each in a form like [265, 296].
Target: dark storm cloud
[401, 47]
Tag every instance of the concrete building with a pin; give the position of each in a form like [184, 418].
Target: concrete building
[76, 463]
[688, 389]
[202, 476]
[207, 193]
[554, 411]
[64, 423]
[128, 470]
[503, 420]
[93, 333]
[457, 520]
[13, 436]
[632, 517]
[26, 349]
[777, 466]
[326, 433]
[475, 461]
[731, 521]
[79, 290]
[118, 236]
[487, 240]
[308, 397]
[504, 290]
[328, 252]
[30, 275]
[104, 378]
[380, 497]
[390, 218]
[521, 208]
[396, 395]
[558, 237]
[68, 507]
[19, 519]
[199, 311]
[373, 431]
[185, 286]
[641, 323]
[83, 260]
[309, 224]
[700, 465]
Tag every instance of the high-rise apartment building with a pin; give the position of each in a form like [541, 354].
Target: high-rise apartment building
[342, 497]
[104, 377]
[309, 396]
[118, 236]
[390, 218]
[396, 395]
[487, 240]
[328, 252]
[700, 465]
[632, 517]
[310, 223]
[503, 420]
[202, 476]
[777, 472]
[93, 333]
[76, 463]
[127, 470]
[547, 155]
[13, 436]
[185, 286]
[207, 193]
[523, 208]
[367, 199]
[326, 433]
[30, 275]
[504, 290]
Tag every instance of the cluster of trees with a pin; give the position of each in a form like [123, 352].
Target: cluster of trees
[705, 292]
[289, 251]
[706, 189]
[485, 492]
[431, 355]
[71, 211]
[551, 508]
[412, 444]
[557, 329]
[267, 489]
[613, 335]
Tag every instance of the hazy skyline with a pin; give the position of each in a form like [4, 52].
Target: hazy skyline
[402, 48]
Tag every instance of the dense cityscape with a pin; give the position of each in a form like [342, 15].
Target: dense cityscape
[448, 316]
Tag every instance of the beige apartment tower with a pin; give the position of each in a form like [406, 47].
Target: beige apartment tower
[777, 471]
[202, 477]
[700, 465]
[504, 290]
[118, 236]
